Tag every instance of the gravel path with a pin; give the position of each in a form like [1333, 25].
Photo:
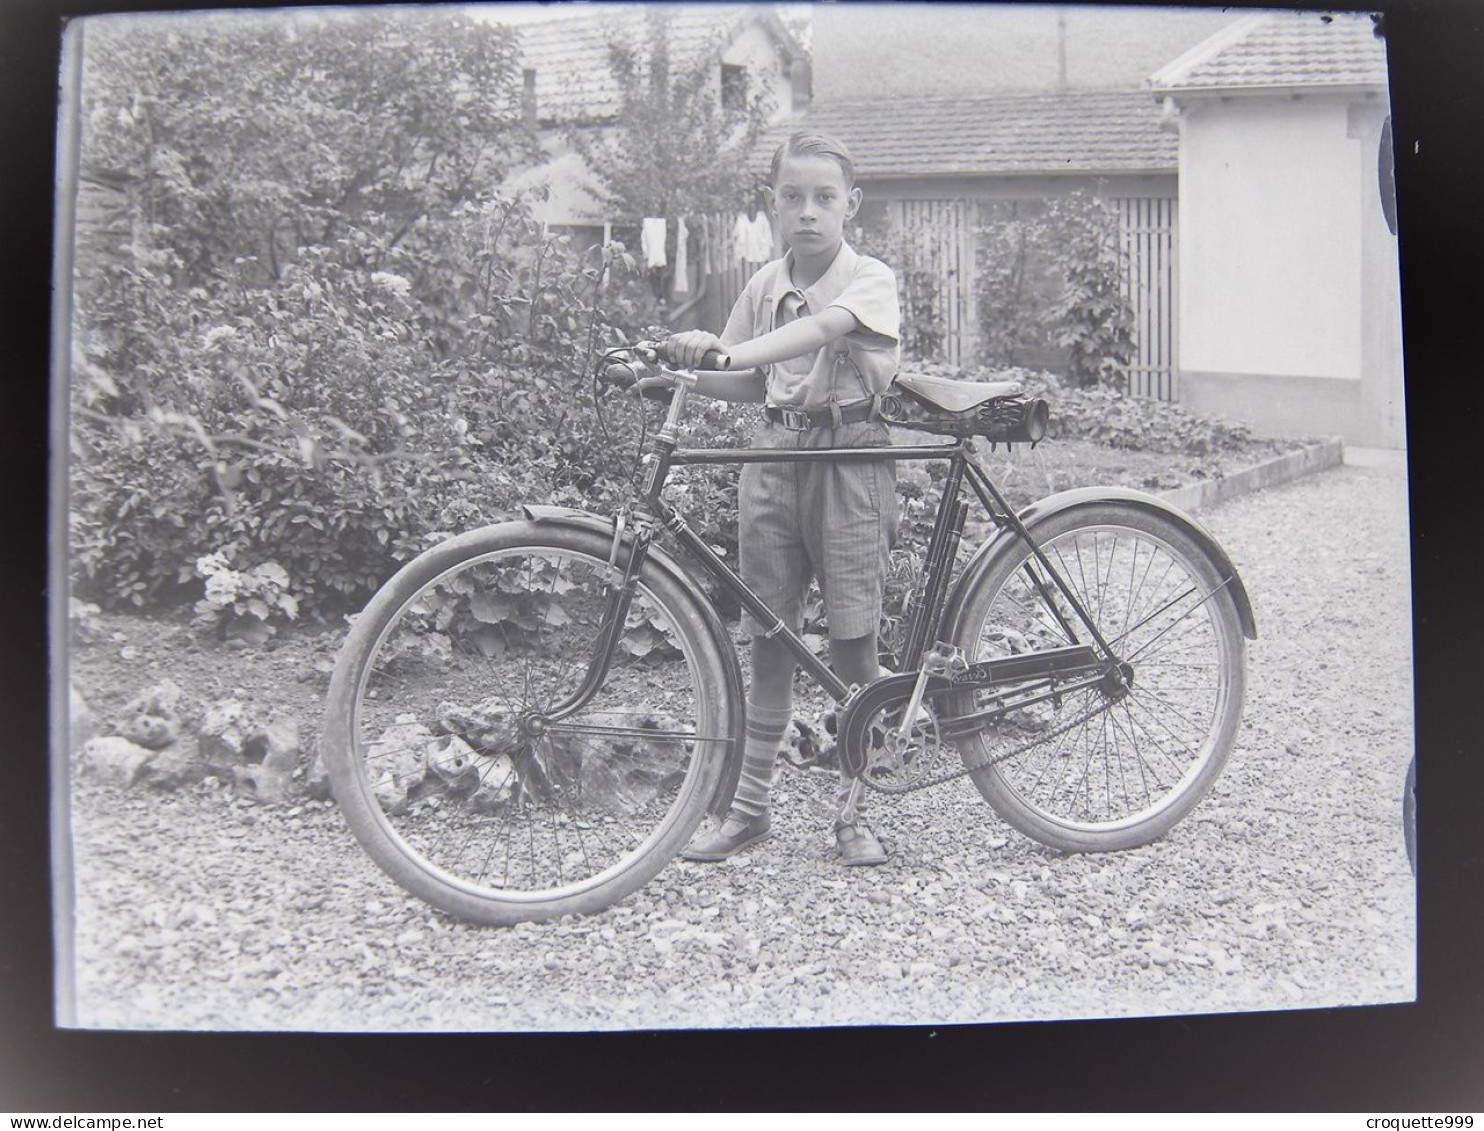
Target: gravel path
[1287, 888]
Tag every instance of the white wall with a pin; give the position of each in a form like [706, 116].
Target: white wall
[1270, 238]
[756, 50]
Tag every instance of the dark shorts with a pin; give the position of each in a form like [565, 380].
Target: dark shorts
[832, 521]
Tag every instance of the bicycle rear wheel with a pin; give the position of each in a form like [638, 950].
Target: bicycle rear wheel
[1090, 770]
[457, 757]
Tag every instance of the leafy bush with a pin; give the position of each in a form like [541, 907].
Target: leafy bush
[331, 423]
[407, 358]
[1048, 283]
[913, 249]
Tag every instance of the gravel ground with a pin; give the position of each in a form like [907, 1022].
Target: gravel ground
[1287, 887]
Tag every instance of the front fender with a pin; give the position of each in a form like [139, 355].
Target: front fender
[1003, 540]
[735, 690]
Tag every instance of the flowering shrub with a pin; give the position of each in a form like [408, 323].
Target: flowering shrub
[243, 602]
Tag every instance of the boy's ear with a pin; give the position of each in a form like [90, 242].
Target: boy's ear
[854, 203]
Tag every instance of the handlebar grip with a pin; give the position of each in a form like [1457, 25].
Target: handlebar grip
[712, 359]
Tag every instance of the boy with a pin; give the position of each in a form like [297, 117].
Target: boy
[815, 336]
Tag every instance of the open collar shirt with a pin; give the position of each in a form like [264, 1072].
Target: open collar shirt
[851, 369]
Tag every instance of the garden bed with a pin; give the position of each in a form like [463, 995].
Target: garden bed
[116, 656]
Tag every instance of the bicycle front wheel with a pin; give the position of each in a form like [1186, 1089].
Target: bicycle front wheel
[1106, 768]
[468, 758]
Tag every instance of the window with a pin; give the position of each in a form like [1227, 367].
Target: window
[733, 87]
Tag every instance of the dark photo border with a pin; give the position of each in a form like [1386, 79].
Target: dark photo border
[1422, 1058]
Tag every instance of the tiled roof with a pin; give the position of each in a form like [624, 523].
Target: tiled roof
[1067, 132]
[569, 52]
[1281, 49]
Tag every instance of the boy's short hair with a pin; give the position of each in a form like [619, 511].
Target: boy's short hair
[811, 143]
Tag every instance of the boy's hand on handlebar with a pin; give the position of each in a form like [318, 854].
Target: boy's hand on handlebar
[689, 348]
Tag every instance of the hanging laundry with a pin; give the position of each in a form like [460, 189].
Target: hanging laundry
[682, 257]
[652, 241]
[741, 236]
[760, 238]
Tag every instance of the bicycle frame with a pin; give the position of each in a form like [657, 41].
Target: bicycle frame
[650, 511]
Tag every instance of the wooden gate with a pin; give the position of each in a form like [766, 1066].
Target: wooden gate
[1147, 227]
[935, 276]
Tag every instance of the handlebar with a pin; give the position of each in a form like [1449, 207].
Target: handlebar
[660, 352]
[618, 367]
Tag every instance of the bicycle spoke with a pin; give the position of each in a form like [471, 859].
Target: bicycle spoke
[1118, 762]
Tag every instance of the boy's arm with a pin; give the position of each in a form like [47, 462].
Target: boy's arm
[688, 349]
[794, 339]
[743, 380]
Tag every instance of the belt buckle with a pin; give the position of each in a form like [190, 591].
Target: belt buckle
[794, 419]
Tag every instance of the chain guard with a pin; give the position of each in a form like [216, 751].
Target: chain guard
[862, 725]
[870, 744]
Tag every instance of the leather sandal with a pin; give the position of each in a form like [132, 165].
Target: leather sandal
[736, 833]
[858, 846]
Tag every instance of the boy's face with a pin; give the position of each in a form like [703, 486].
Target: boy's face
[813, 203]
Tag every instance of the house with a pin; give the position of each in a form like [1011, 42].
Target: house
[956, 111]
[568, 84]
[939, 164]
[1289, 308]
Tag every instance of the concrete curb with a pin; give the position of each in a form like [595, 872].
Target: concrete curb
[1280, 469]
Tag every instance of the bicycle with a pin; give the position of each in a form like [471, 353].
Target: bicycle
[531, 719]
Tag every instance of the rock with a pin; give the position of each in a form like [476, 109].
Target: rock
[452, 761]
[116, 760]
[82, 726]
[317, 779]
[152, 731]
[174, 767]
[264, 784]
[223, 737]
[397, 757]
[500, 785]
[275, 746]
[627, 774]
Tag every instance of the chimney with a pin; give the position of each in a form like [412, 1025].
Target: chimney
[528, 98]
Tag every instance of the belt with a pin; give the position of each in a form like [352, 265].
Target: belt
[797, 420]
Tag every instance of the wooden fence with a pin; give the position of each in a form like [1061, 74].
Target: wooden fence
[935, 242]
[1147, 226]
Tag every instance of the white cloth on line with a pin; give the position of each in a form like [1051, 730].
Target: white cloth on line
[652, 241]
[682, 261]
[741, 236]
[760, 238]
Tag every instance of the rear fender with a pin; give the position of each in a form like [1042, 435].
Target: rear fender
[685, 581]
[1003, 542]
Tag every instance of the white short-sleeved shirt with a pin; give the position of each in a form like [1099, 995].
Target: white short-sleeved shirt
[853, 368]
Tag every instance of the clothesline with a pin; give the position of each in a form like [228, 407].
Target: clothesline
[749, 239]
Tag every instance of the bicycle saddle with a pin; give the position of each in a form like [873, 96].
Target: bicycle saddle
[949, 395]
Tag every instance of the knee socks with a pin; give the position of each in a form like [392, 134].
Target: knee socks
[766, 727]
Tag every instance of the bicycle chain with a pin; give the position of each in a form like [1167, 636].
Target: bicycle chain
[985, 763]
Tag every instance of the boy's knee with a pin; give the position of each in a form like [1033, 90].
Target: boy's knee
[854, 658]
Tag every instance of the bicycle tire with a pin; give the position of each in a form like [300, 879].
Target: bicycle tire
[1126, 774]
[440, 759]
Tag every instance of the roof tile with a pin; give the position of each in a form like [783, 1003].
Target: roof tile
[1066, 132]
[1282, 49]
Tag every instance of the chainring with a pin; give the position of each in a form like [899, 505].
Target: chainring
[871, 742]
[871, 747]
